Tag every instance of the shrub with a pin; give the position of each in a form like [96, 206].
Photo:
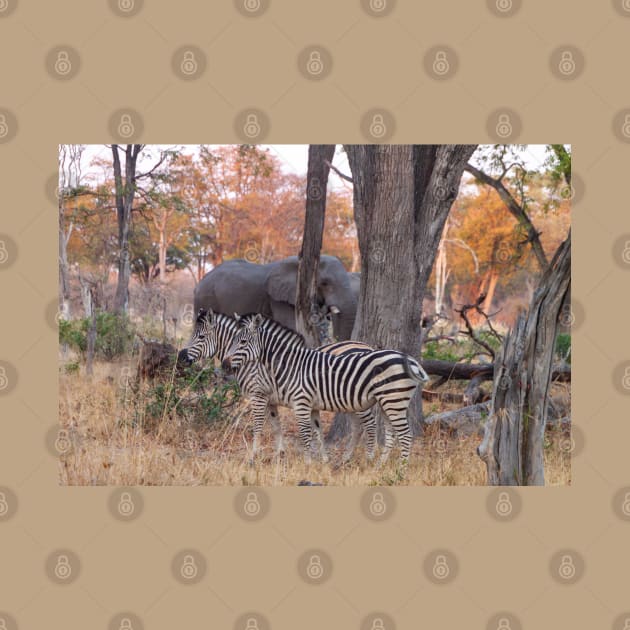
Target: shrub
[198, 395]
[563, 346]
[114, 334]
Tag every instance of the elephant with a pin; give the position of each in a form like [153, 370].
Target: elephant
[239, 286]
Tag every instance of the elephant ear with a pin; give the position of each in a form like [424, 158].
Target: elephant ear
[282, 283]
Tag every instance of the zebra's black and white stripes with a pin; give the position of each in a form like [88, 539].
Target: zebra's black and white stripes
[212, 336]
[306, 379]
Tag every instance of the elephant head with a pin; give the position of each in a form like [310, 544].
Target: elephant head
[334, 293]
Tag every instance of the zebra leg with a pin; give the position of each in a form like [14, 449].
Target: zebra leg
[317, 429]
[389, 439]
[259, 408]
[398, 419]
[277, 429]
[303, 419]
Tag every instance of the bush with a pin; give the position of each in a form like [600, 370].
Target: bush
[114, 335]
[563, 346]
[198, 395]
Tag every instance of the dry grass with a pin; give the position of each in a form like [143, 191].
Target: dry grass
[115, 444]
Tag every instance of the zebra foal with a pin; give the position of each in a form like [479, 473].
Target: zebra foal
[291, 374]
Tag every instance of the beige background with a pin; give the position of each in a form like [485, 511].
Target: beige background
[507, 63]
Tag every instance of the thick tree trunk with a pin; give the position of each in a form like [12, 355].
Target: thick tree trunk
[307, 312]
[512, 447]
[402, 197]
[124, 193]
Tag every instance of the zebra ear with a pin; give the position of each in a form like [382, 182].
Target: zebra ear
[258, 319]
[237, 317]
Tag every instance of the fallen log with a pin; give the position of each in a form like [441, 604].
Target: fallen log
[485, 371]
[466, 420]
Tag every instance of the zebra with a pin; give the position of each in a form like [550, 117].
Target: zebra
[291, 374]
[213, 335]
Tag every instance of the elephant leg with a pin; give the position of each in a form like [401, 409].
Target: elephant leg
[317, 429]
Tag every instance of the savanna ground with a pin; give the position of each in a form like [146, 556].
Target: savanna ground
[194, 430]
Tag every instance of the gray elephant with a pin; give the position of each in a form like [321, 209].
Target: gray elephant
[238, 286]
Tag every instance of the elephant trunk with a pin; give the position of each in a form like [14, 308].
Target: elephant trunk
[343, 322]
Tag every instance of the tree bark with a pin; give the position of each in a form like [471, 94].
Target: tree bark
[512, 447]
[125, 191]
[402, 197]
[307, 311]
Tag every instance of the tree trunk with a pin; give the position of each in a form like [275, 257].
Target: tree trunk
[64, 280]
[124, 193]
[402, 197]
[307, 312]
[512, 447]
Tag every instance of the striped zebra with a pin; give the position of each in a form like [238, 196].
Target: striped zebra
[291, 374]
[212, 336]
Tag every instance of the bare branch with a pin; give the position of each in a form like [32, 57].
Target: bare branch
[342, 175]
[516, 210]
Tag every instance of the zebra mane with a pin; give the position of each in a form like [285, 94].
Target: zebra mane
[272, 325]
